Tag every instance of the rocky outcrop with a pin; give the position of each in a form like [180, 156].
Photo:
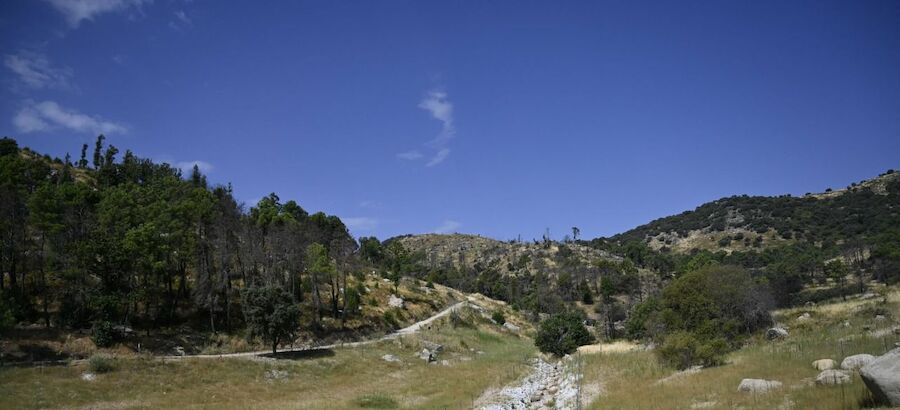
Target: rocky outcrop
[776, 333]
[430, 352]
[758, 385]
[823, 364]
[833, 377]
[395, 302]
[882, 377]
[856, 361]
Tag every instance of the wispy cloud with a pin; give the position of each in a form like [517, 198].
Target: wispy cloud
[35, 71]
[360, 224]
[370, 204]
[441, 109]
[441, 155]
[187, 166]
[447, 227]
[181, 20]
[439, 106]
[410, 155]
[48, 116]
[75, 11]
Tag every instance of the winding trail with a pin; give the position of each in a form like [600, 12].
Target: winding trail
[411, 329]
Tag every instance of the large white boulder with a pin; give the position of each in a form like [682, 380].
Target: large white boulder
[833, 377]
[856, 361]
[758, 385]
[882, 377]
[823, 364]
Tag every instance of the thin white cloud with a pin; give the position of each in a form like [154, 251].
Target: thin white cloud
[35, 71]
[441, 155]
[76, 11]
[410, 155]
[360, 224]
[187, 166]
[181, 21]
[48, 116]
[439, 106]
[447, 227]
[441, 109]
[183, 17]
[368, 203]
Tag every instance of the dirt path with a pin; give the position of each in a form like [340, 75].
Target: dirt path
[411, 329]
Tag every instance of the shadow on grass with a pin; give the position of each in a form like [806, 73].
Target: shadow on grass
[301, 354]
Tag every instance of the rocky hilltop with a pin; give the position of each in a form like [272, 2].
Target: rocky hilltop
[461, 251]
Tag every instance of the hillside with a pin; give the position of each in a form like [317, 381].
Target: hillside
[461, 251]
[737, 223]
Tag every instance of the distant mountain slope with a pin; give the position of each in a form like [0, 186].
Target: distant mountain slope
[860, 211]
[460, 251]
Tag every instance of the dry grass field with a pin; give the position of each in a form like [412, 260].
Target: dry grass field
[631, 379]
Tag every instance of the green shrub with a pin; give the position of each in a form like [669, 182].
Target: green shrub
[561, 334]
[104, 334]
[716, 301]
[639, 322]
[7, 318]
[270, 313]
[101, 363]
[352, 298]
[586, 296]
[376, 401]
[707, 312]
[390, 319]
[683, 349]
[498, 317]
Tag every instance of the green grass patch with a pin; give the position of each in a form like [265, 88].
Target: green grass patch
[376, 401]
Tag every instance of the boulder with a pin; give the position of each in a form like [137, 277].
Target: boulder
[776, 333]
[511, 327]
[758, 385]
[427, 356]
[856, 361]
[395, 302]
[880, 318]
[804, 317]
[433, 347]
[823, 364]
[882, 377]
[88, 376]
[390, 358]
[833, 377]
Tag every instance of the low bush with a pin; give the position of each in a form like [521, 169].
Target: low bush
[498, 317]
[683, 349]
[104, 334]
[561, 334]
[376, 401]
[101, 363]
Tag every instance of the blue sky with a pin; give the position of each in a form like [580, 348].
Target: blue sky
[501, 118]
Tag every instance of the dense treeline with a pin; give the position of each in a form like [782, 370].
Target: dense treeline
[134, 242]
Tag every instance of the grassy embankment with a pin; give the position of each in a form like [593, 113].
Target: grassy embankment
[630, 380]
[479, 354]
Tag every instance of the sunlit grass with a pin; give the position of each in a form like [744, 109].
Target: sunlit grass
[343, 378]
[630, 379]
